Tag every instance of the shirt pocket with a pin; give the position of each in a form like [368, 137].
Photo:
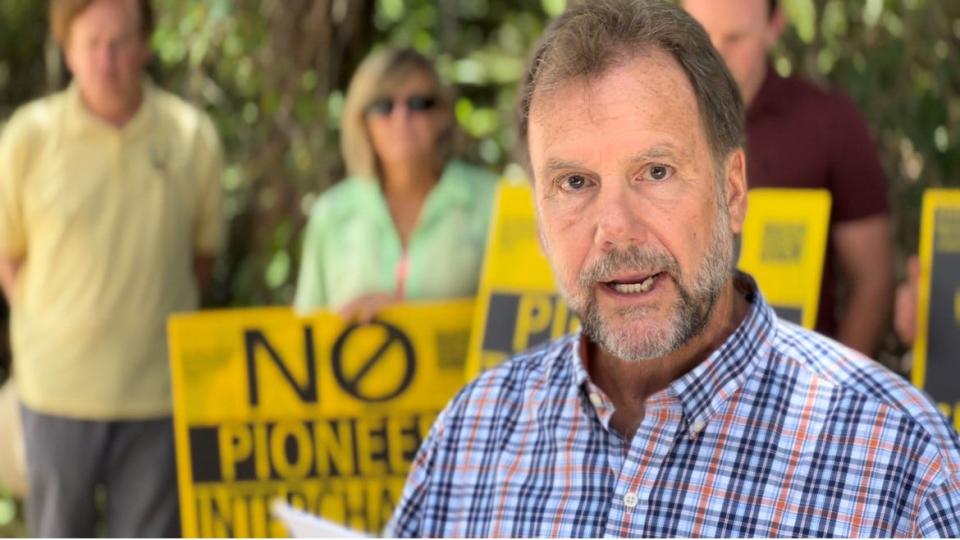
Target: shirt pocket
[65, 198]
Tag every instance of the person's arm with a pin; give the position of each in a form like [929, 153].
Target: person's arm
[863, 250]
[905, 305]
[9, 268]
[939, 510]
[17, 141]
[408, 514]
[203, 271]
[208, 221]
[860, 228]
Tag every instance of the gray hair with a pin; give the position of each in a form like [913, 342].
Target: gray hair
[594, 36]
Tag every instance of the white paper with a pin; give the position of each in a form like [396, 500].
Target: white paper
[302, 524]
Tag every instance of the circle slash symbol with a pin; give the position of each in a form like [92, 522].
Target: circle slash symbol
[352, 383]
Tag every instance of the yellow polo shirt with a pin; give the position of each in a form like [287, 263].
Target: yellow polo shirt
[107, 222]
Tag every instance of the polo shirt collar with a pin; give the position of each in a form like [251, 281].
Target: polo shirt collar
[79, 119]
[704, 391]
[453, 189]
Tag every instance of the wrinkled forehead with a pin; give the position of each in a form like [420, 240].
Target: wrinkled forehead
[555, 84]
[648, 91]
[652, 71]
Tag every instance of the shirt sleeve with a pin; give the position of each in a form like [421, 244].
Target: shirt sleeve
[12, 170]
[311, 293]
[407, 518]
[858, 184]
[208, 229]
[940, 512]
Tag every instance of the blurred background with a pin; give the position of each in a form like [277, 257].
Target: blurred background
[272, 74]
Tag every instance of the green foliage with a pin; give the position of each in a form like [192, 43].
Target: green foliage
[899, 62]
[22, 31]
[11, 517]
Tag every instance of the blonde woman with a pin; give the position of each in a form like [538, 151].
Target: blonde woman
[410, 222]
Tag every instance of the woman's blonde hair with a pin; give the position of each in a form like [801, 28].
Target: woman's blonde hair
[376, 75]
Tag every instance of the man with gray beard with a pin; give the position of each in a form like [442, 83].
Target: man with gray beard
[692, 309]
[684, 407]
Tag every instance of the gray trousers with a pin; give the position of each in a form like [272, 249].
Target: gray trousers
[67, 459]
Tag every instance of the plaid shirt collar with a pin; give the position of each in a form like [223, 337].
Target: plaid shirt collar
[703, 391]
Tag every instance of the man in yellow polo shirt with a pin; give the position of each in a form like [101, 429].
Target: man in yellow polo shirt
[109, 221]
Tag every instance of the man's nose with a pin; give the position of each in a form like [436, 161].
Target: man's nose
[106, 58]
[619, 218]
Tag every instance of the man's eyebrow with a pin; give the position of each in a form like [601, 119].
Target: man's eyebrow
[659, 152]
[554, 165]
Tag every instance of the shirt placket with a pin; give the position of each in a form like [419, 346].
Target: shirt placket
[652, 443]
[405, 287]
[116, 140]
[392, 276]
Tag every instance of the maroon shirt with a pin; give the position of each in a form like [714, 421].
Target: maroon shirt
[799, 136]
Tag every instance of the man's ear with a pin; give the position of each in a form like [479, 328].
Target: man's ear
[775, 25]
[65, 55]
[735, 184]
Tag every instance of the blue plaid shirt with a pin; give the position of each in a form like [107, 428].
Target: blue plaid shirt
[780, 432]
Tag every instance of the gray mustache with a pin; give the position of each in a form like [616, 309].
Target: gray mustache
[632, 258]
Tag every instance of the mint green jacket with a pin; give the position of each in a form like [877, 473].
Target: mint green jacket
[352, 247]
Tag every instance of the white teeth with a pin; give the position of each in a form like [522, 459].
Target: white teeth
[634, 288]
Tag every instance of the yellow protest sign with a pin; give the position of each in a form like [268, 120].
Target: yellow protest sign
[518, 305]
[325, 414]
[517, 302]
[783, 245]
[938, 301]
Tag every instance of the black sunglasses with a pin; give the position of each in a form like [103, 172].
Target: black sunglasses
[384, 106]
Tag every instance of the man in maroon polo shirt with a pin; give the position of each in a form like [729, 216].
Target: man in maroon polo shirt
[800, 136]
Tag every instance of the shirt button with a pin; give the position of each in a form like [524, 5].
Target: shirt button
[595, 399]
[630, 500]
[697, 427]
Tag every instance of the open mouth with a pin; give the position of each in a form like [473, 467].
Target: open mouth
[639, 285]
